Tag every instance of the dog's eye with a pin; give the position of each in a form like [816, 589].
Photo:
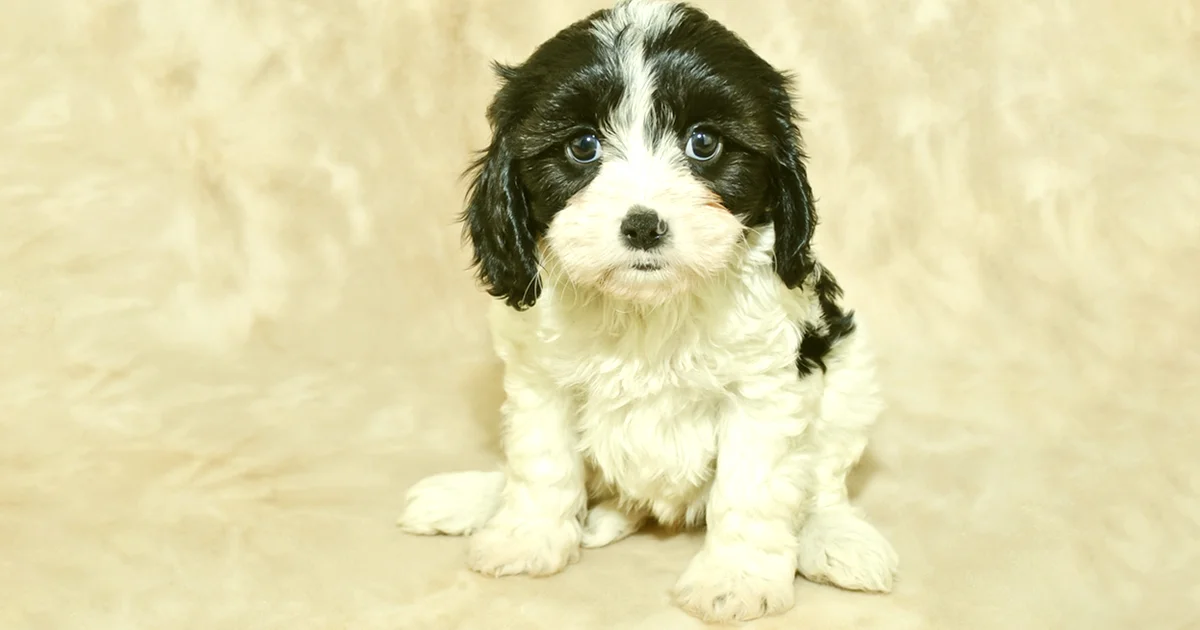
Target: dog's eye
[703, 145]
[584, 149]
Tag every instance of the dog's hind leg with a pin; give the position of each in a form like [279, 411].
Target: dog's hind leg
[452, 504]
[608, 522]
[837, 545]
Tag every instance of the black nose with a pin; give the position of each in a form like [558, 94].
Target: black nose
[643, 228]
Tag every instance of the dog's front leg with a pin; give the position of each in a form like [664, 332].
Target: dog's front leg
[747, 566]
[537, 529]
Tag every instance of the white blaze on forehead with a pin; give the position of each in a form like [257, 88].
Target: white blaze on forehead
[624, 33]
[651, 17]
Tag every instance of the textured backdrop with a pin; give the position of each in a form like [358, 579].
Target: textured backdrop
[237, 322]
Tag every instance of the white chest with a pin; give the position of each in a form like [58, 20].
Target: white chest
[651, 389]
[648, 417]
[658, 450]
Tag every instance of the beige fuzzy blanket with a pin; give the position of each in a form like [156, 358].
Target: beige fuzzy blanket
[236, 319]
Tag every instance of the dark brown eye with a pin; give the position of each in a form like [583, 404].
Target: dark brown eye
[584, 148]
[703, 145]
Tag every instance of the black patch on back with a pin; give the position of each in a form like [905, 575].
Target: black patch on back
[838, 323]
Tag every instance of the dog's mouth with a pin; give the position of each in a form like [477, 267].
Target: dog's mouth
[647, 266]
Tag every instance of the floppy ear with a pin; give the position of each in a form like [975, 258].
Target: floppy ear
[791, 200]
[497, 223]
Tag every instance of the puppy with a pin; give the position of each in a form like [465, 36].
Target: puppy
[673, 349]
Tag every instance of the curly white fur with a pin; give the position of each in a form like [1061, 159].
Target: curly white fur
[671, 394]
[689, 412]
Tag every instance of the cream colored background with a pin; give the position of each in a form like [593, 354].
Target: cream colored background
[237, 323]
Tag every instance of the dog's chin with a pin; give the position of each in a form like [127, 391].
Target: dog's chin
[643, 284]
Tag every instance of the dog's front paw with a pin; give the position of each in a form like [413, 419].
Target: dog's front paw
[736, 585]
[841, 549]
[536, 547]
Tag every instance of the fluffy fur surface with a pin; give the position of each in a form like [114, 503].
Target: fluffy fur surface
[673, 351]
[238, 321]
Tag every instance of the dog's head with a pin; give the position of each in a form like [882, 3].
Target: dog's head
[637, 148]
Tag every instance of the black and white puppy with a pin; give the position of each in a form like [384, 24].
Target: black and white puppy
[673, 350]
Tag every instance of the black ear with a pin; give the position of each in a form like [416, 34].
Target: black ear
[498, 225]
[791, 199]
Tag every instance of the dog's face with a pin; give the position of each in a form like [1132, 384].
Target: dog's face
[636, 148]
